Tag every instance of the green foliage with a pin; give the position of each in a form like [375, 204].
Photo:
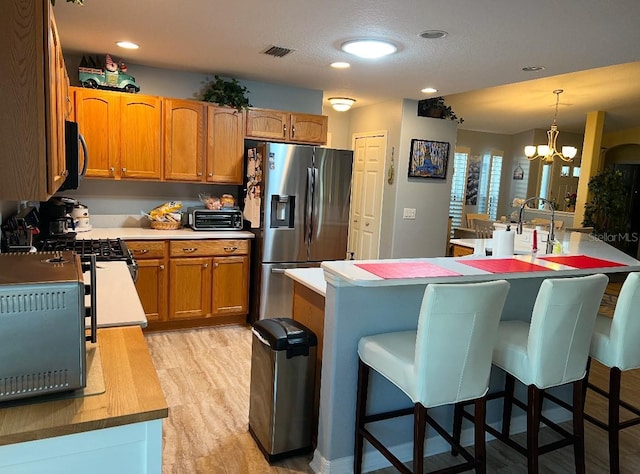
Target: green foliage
[439, 109]
[230, 93]
[607, 212]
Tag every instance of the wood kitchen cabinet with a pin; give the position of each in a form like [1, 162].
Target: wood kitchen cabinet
[288, 127]
[123, 133]
[153, 277]
[203, 142]
[34, 97]
[192, 283]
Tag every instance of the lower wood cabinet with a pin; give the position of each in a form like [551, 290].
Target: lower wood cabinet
[191, 283]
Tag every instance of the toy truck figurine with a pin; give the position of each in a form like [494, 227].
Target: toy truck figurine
[112, 76]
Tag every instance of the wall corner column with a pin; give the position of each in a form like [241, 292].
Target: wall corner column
[591, 163]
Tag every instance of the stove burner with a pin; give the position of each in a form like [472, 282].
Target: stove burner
[103, 249]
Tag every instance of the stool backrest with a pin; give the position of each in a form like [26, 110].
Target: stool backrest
[562, 322]
[456, 333]
[625, 327]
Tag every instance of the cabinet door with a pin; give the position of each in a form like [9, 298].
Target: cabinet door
[189, 293]
[270, 124]
[230, 288]
[184, 140]
[308, 128]
[225, 145]
[98, 116]
[56, 98]
[152, 284]
[140, 136]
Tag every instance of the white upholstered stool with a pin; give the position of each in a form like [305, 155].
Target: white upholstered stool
[447, 360]
[616, 344]
[550, 351]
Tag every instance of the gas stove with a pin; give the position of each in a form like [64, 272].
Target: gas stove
[105, 250]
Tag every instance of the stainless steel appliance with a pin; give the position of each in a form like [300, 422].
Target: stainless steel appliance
[76, 160]
[42, 323]
[199, 218]
[304, 218]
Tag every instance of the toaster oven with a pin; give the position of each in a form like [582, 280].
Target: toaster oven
[42, 323]
[200, 218]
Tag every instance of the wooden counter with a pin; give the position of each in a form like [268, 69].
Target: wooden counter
[132, 398]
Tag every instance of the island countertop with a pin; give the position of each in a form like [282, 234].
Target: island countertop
[132, 395]
[143, 233]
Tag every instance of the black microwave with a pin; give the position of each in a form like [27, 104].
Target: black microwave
[76, 160]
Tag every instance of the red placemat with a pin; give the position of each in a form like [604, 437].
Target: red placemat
[406, 270]
[582, 261]
[504, 265]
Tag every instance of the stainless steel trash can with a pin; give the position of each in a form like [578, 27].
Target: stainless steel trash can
[283, 359]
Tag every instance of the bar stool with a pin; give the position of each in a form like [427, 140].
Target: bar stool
[615, 345]
[445, 361]
[550, 351]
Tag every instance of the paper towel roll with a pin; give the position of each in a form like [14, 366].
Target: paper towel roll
[503, 243]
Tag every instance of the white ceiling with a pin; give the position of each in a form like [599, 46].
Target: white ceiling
[478, 66]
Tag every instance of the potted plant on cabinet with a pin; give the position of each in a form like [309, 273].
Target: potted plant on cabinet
[224, 92]
[437, 108]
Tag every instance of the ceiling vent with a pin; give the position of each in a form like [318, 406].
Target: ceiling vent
[277, 51]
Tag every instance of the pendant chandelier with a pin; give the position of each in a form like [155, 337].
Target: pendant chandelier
[548, 152]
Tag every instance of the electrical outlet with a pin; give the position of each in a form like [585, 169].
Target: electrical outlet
[409, 213]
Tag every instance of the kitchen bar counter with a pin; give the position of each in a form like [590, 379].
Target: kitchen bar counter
[125, 418]
[359, 303]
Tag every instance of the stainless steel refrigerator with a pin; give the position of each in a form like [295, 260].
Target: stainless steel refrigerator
[305, 196]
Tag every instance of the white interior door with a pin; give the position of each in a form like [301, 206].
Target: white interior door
[368, 186]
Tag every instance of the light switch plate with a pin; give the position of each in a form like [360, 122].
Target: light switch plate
[409, 213]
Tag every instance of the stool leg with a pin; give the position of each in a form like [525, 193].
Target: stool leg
[533, 427]
[361, 410]
[578, 425]
[419, 430]
[586, 383]
[480, 447]
[615, 375]
[509, 384]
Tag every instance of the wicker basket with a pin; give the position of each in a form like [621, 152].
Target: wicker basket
[165, 225]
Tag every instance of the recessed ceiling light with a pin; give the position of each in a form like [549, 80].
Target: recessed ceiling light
[369, 49]
[429, 90]
[340, 65]
[533, 68]
[127, 45]
[433, 34]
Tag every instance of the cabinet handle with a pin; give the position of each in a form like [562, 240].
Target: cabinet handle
[161, 267]
[206, 265]
[284, 131]
[124, 170]
[215, 265]
[199, 173]
[65, 173]
[210, 174]
[189, 249]
[293, 132]
[141, 251]
[112, 170]
[230, 249]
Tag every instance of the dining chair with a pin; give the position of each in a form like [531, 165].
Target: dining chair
[445, 361]
[483, 229]
[615, 345]
[471, 218]
[550, 351]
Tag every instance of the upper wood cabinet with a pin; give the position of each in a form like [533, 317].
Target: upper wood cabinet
[123, 133]
[286, 126]
[225, 145]
[184, 129]
[33, 94]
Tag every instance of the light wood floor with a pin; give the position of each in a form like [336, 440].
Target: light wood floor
[205, 377]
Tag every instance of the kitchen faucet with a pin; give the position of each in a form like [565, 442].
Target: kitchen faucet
[551, 237]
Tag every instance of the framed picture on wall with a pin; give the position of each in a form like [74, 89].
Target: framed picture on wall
[428, 159]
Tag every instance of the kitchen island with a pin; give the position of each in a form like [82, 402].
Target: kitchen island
[116, 428]
[359, 303]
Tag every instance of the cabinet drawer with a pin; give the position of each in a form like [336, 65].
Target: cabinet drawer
[142, 249]
[200, 248]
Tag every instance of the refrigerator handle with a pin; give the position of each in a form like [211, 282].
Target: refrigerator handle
[309, 204]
